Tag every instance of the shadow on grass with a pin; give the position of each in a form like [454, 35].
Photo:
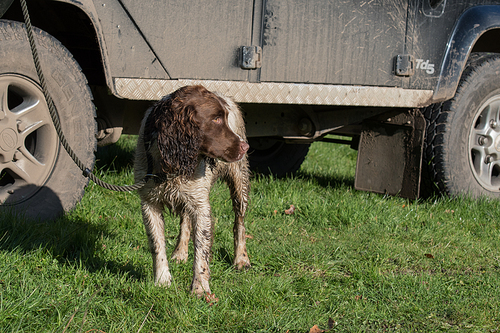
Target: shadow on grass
[333, 182]
[428, 194]
[116, 157]
[330, 182]
[71, 242]
[221, 254]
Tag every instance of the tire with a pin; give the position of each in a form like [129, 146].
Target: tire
[268, 156]
[462, 152]
[38, 179]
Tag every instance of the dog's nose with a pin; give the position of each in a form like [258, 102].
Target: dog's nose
[244, 147]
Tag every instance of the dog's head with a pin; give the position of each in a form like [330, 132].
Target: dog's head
[193, 121]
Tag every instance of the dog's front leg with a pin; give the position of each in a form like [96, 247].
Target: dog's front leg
[180, 253]
[202, 239]
[239, 186]
[155, 229]
[241, 259]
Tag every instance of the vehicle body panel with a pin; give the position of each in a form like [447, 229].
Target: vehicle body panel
[195, 39]
[335, 50]
[336, 42]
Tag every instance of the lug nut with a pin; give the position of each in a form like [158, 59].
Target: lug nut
[17, 156]
[488, 159]
[481, 140]
[20, 126]
[493, 123]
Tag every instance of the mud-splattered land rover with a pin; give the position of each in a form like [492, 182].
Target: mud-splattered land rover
[414, 85]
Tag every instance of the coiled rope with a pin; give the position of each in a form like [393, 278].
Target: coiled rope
[55, 117]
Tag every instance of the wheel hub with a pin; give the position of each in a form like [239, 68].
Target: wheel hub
[497, 143]
[8, 140]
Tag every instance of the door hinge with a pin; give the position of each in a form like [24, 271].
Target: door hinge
[250, 57]
[404, 65]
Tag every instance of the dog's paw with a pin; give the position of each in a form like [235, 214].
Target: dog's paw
[180, 256]
[242, 262]
[200, 289]
[164, 279]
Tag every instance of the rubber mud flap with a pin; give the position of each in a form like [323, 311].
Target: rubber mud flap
[390, 155]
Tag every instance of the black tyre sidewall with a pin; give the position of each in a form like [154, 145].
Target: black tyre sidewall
[480, 81]
[281, 160]
[73, 100]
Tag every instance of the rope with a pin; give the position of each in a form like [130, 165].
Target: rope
[55, 117]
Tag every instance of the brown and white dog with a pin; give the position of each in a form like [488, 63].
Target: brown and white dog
[187, 141]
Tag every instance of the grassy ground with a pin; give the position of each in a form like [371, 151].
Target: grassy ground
[346, 261]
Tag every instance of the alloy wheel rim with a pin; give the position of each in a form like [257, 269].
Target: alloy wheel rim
[484, 145]
[28, 141]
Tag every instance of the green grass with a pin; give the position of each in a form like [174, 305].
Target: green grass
[346, 261]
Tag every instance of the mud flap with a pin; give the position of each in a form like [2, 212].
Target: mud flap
[390, 154]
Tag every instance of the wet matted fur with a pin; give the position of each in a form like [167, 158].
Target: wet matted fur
[188, 140]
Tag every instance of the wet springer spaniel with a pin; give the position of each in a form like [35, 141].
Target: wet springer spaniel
[187, 141]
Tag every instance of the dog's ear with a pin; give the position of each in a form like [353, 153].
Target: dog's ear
[179, 135]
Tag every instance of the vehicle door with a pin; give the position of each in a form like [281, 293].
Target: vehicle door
[335, 42]
[195, 39]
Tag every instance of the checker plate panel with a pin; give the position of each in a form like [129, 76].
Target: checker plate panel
[280, 93]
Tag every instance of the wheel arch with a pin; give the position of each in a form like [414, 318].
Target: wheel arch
[79, 31]
[474, 29]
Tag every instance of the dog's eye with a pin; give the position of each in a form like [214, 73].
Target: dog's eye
[217, 120]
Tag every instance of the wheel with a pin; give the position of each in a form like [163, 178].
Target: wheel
[462, 151]
[268, 156]
[37, 177]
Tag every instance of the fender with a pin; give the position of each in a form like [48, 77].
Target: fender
[120, 42]
[87, 6]
[470, 26]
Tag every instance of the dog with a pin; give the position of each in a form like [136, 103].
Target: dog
[187, 141]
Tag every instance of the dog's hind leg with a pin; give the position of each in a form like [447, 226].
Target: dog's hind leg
[239, 185]
[155, 229]
[180, 253]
